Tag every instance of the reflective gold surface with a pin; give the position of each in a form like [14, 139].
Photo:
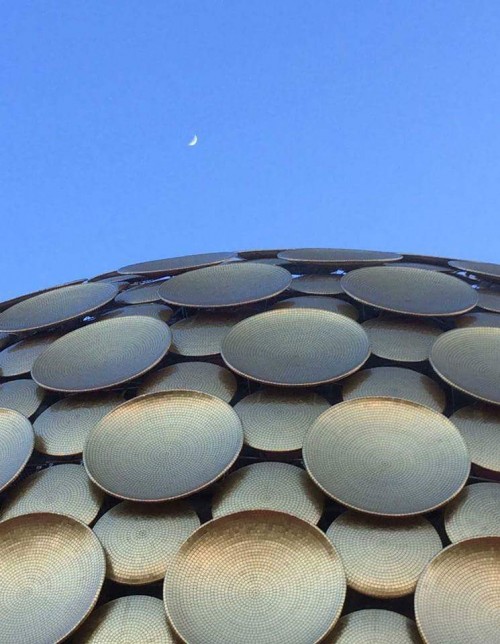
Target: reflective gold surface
[374, 626]
[480, 428]
[174, 265]
[16, 444]
[142, 294]
[475, 512]
[401, 339]
[258, 576]
[202, 334]
[337, 256]
[24, 396]
[484, 269]
[319, 302]
[18, 358]
[317, 284]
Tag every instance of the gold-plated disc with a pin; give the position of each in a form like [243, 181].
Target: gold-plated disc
[18, 358]
[324, 303]
[16, 445]
[23, 396]
[374, 626]
[132, 619]
[401, 339]
[383, 557]
[269, 486]
[202, 334]
[480, 428]
[198, 376]
[102, 354]
[141, 539]
[296, 347]
[469, 359]
[458, 595]
[478, 318]
[395, 382]
[386, 457]
[51, 575]
[163, 446]
[483, 269]
[411, 291]
[475, 512]
[317, 284]
[142, 294]
[256, 576]
[225, 285]
[489, 299]
[161, 312]
[60, 489]
[277, 420]
[174, 265]
[338, 256]
[56, 306]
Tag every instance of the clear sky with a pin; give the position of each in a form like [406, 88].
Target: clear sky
[354, 123]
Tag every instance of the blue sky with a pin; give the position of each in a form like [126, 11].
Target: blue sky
[361, 123]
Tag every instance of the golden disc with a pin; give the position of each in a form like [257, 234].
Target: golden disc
[56, 306]
[23, 396]
[478, 318]
[16, 445]
[401, 339]
[161, 312]
[411, 291]
[395, 382]
[102, 354]
[337, 256]
[18, 358]
[197, 376]
[383, 557]
[483, 269]
[317, 284]
[374, 626]
[174, 265]
[60, 489]
[319, 302]
[256, 576]
[141, 294]
[269, 486]
[202, 334]
[475, 512]
[480, 429]
[489, 299]
[458, 595]
[386, 457]
[296, 347]
[163, 446]
[277, 420]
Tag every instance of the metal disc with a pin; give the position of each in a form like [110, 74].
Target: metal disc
[141, 539]
[484, 269]
[259, 253]
[475, 512]
[273, 261]
[458, 595]
[317, 284]
[411, 291]
[102, 354]
[60, 489]
[426, 259]
[161, 312]
[426, 267]
[338, 256]
[174, 265]
[489, 299]
[401, 339]
[478, 318]
[142, 294]
[18, 358]
[51, 575]
[225, 285]
[383, 557]
[324, 303]
[202, 334]
[23, 396]
[57, 306]
[480, 429]
[386, 457]
[256, 576]
[269, 486]
[296, 347]
[163, 446]
[16, 445]
[374, 626]
[198, 376]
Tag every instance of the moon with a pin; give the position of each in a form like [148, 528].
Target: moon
[193, 141]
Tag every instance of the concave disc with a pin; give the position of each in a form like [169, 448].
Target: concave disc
[317, 284]
[489, 299]
[374, 626]
[480, 429]
[142, 294]
[174, 265]
[202, 334]
[24, 396]
[337, 256]
[475, 512]
[401, 339]
[161, 312]
[319, 302]
[16, 445]
[18, 358]
[484, 269]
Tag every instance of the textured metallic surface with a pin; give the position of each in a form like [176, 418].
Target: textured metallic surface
[484, 269]
[16, 444]
[386, 457]
[324, 303]
[489, 299]
[50, 578]
[161, 312]
[475, 512]
[24, 396]
[258, 576]
[337, 256]
[163, 446]
[18, 358]
[401, 339]
[142, 294]
[317, 284]
[478, 318]
[425, 267]
[202, 334]
[174, 265]
[296, 347]
[374, 626]
[457, 600]
[480, 428]
[102, 354]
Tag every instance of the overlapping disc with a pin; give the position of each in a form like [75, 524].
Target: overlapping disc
[386, 457]
[478, 318]
[401, 339]
[16, 445]
[317, 284]
[338, 256]
[174, 265]
[483, 269]
[374, 626]
[489, 299]
[161, 312]
[475, 512]
[296, 347]
[480, 428]
[324, 303]
[426, 267]
[50, 578]
[24, 396]
[18, 358]
[259, 253]
[141, 539]
[202, 334]
[103, 354]
[458, 595]
[142, 294]
[257, 576]
[163, 446]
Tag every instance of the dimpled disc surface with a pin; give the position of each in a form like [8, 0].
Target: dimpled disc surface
[54, 307]
[457, 600]
[374, 626]
[51, 575]
[489, 299]
[161, 312]
[16, 445]
[257, 576]
[480, 429]
[174, 265]
[163, 446]
[141, 539]
[337, 256]
[386, 457]
[296, 347]
[102, 354]
[24, 396]
[478, 318]
[317, 284]
[202, 334]
[319, 302]
[412, 291]
[484, 269]
[18, 358]
[383, 557]
[475, 512]
[142, 294]
[401, 339]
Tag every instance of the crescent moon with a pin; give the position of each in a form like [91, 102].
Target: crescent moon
[193, 141]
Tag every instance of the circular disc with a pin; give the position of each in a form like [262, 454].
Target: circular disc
[480, 429]
[401, 339]
[478, 318]
[273, 261]
[475, 512]
[259, 253]
[425, 259]
[175, 265]
[16, 445]
[161, 312]
[489, 299]
[337, 256]
[51, 575]
[60, 489]
[140, 540]
[458, 595]
[386, 457]
[319, 302]
[426, 267]
[257, 576]
[374, 626]
[198, 376]
[18, 358]
[383, 557]
[317, 284]
[163, 446]
[269, 486]
[54, 307]
[102, 354]
[469, 359]
[484, 269]
[202, 334]
[225, 285]
[23, 396]
[411, 291]
[141, 294]
[296, 347]
[277, 420]
[395, 382]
